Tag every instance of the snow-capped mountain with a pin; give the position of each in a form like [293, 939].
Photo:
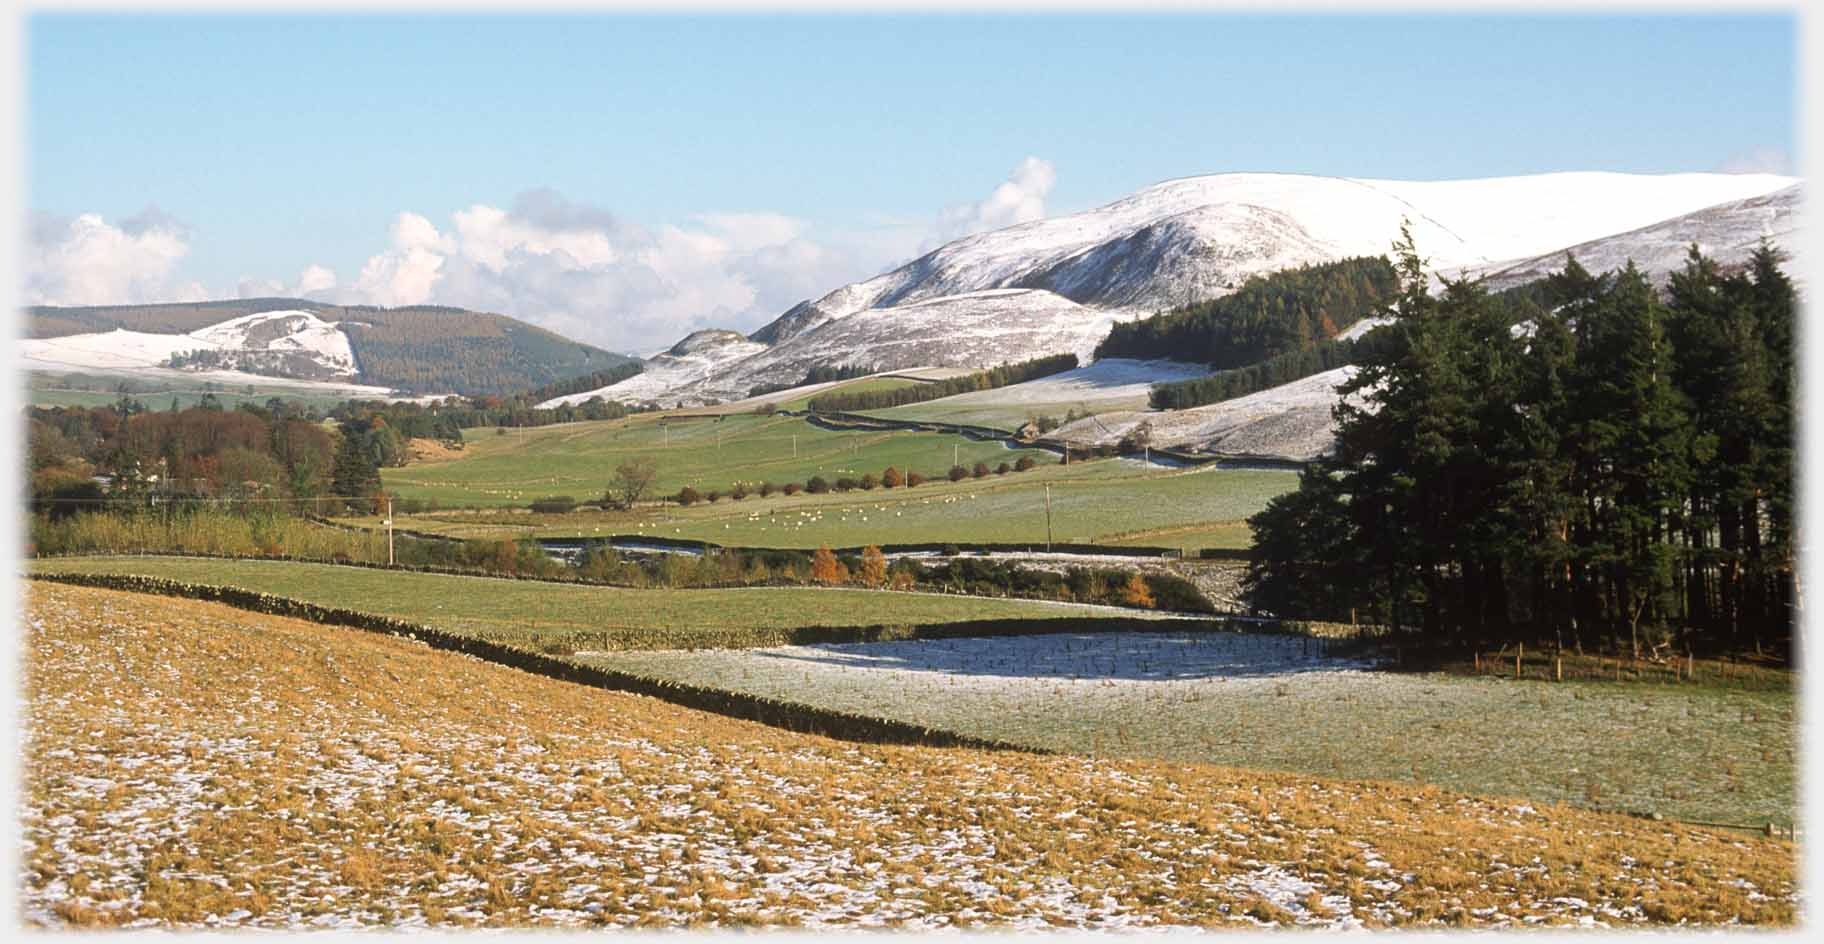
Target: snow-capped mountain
[970, 329]
[1056, 284]
[292, 344]
[1197, 236]
[666, 375]
[1727, 233]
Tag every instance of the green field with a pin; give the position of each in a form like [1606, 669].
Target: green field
[1106, 501]
[1228, 535]
[91, 390]
[860, 385]
[978, 409]
[1696, 752]
[533, 613]
[515, 466]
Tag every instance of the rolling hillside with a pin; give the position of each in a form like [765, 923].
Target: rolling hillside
[422, 349]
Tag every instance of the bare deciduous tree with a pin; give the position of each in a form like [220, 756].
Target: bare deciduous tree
[632, 479]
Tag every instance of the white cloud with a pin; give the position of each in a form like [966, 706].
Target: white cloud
[580, 271]
[1019, 199]
[314, 282]
[88, 261]
[406, 273]
[570, 267]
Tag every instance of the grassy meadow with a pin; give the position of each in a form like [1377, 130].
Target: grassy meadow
[1108, 501]
[92, 390]
[191, 766]
[514, 466]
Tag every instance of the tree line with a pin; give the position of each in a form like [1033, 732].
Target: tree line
[1269, 315]
[85, 458]
[816, 375]
[990, 379]
[1521, 303]
[1615, 469]
[593, 381]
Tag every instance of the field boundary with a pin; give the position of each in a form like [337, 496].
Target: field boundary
[579, 581]
[843, 420]
[789, 716]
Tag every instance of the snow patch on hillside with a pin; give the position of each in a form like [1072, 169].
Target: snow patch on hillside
[971, 329]
[293, 344]
[665, 376]
[1728, 233]
[1107, 379]
[1291, 421]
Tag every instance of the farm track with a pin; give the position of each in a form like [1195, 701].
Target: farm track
[190, 765]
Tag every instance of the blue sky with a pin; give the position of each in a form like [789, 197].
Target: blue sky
[796, 149]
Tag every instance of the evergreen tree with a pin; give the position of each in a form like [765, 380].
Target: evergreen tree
[356, 473]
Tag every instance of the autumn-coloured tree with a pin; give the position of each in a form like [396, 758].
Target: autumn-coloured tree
[1136, 592]
[826, 569]
[873, 566]
[891, 478]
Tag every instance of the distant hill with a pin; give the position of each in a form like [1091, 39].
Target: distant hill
[418, 349]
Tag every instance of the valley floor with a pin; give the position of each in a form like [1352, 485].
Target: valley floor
[190, 765]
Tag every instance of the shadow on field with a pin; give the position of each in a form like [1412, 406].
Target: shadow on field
[1138, 657]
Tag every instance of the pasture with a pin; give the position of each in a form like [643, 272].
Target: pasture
[1692, 752]
[1109, 501]
[514, 466]
[536, 614]
[191, 766]
[1107, 386]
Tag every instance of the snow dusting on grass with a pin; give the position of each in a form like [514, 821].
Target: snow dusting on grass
[193, 766]
[1279, 702]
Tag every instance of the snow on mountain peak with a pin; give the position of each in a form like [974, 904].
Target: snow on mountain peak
[1056, 284]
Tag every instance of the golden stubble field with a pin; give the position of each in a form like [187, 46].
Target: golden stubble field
[191, 765]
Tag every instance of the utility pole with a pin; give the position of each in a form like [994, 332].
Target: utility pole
[1047, 517]
[389, 530]
[794, 445]
[955, 450]
[667, 430]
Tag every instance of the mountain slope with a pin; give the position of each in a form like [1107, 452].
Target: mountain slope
[287, 343]
[971, 329]
[700, 356]
[1206, 234]
[1292, 421]
[423, 349]
[1727, 233]
[1053, 285]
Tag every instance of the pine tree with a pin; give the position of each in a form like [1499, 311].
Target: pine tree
[356, 474]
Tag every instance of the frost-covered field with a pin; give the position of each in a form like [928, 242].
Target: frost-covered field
[1289, 421]
[193, 766]
[1277, 702]
[1108, 384]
